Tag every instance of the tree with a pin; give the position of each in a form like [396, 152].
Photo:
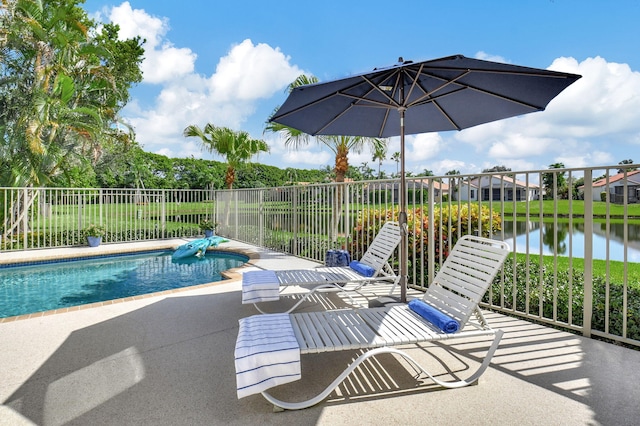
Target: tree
[554, 183]
[366, 171]
[61, 91]
[396, 157]
[426, 172]
[624, 162]
[497, 169]
[64, 88]
[454, 187]
[380, 154]
[236, 147]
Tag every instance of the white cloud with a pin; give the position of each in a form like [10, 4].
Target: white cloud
[488, 57]
[604, 101]
[308, 159]
[585, 125]
[439, 168]
[252, 72]
[162, 61]
[423, 146]
[227, 97]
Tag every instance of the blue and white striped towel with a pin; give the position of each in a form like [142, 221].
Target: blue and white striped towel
[260, 286]
[267, 353]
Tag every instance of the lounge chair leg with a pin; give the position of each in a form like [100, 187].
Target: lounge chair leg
[472, 380]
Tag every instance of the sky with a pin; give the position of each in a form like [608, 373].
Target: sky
[230, 63]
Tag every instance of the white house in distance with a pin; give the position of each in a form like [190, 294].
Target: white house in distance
[615, 185]
[496, 188]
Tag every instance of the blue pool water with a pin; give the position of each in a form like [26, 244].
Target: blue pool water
[54, 285]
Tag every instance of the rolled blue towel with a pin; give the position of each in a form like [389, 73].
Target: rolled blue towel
[362, 269]
[434, 316]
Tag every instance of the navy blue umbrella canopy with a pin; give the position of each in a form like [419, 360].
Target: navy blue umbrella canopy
[451, 93]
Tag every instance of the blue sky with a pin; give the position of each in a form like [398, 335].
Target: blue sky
[229, 64]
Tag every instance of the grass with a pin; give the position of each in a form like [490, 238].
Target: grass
[576, 207]
[125, 215]
[615, 272]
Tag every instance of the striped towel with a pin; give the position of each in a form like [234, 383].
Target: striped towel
[260, 286]
[267, 353]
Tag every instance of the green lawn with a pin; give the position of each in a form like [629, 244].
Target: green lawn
[616, 269]
[576, 207]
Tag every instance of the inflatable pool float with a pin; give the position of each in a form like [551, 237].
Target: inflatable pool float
[197, 247]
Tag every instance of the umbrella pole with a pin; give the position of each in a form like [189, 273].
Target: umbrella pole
[402, 217]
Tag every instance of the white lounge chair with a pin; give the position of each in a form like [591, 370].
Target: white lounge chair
[265, 286]
[453, 296]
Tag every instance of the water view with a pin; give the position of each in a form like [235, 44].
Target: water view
[571, 241]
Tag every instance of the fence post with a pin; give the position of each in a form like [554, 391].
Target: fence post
[431, 233]
[261, 213]
[588, 252]
[25, 217]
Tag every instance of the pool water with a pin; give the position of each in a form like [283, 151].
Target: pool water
[55, 285]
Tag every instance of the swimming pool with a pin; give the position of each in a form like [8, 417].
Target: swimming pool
[60, 284]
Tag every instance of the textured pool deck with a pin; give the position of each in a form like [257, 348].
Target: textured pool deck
[167, 359]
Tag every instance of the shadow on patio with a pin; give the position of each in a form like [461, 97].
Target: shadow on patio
[169, 360]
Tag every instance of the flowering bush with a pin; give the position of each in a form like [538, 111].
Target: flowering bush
[450, 223]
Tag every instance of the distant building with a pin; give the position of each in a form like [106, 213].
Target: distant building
[616, 184]
[498, 188]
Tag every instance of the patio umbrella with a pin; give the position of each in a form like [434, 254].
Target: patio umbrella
[451, 93]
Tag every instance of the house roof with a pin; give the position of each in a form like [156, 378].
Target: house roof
[616, 178]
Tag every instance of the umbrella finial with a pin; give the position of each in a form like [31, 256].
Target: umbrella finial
[400, 59]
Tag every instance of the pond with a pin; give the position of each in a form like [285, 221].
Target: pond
[544, 237]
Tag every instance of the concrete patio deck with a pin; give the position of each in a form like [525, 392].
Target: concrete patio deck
[168, 360]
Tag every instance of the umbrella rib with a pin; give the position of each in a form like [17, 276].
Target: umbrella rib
[414, 83]
[429, 94]
[359, 101]
[422, 100]
[392, 102]
[314, 102]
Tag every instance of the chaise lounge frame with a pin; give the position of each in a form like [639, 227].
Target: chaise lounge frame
[456, 291]
[336, 277]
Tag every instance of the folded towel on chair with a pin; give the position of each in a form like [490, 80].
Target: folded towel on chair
[362, 269]
[260, 286]
[267, 353]
[434, 316]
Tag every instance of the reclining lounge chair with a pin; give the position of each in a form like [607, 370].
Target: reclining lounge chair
[265, 286]
[268, 347]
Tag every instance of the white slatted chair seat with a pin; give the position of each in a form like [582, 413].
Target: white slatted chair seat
[377, 257]
[455, 293]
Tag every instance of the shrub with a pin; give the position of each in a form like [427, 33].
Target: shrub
[544, 287]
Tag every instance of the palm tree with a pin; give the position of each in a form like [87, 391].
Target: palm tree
[341, 146]
[380, 154]
[396, 157]
[236, 147]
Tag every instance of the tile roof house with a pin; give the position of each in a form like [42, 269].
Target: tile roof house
[615, 186]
